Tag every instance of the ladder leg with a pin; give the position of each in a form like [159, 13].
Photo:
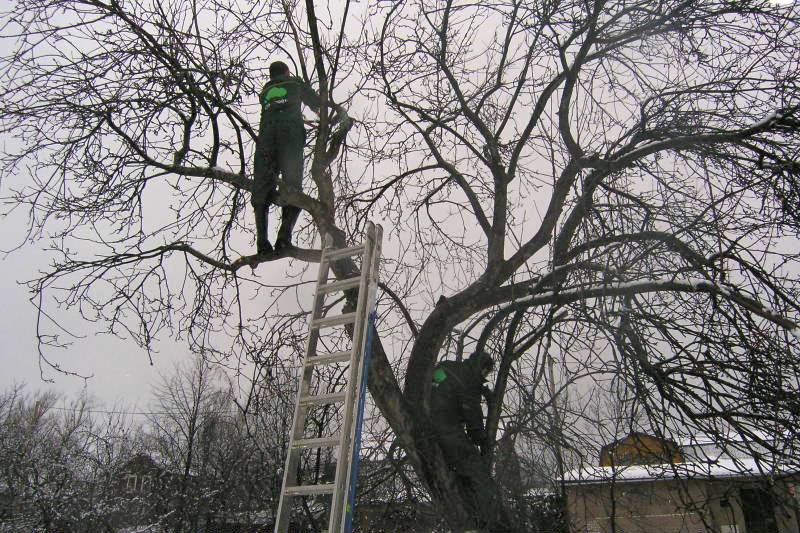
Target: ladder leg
[283, 516]
[289, 480]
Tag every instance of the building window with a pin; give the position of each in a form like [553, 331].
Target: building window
[130, 482]
[146, 482]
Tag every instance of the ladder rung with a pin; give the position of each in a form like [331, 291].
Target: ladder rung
[324, 359]
[344, 252]
[330, 321]
[318, 399]
[322, 442]
[339, 285]
[307, 490]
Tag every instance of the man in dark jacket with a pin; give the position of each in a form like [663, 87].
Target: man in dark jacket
[458, 424]
[281, 138]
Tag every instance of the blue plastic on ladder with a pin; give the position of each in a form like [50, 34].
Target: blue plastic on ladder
[356, 462]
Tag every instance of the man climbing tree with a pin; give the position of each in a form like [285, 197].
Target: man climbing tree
[281, 138]
[458, 424]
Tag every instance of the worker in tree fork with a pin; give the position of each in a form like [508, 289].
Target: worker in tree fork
[458, 424]
[279, 150]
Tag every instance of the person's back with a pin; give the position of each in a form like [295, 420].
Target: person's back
[456, 396]
[282, 97]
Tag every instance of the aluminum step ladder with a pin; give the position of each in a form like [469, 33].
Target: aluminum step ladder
[350, 399]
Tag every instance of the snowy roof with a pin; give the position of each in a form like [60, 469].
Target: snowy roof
[721, 468]
[730, 436]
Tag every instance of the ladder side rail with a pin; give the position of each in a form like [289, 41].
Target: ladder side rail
[366, 350]
[345, 450]
[298, 422]
[355, 461]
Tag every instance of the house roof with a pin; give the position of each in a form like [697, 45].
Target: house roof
[639, 436]
[720, 468]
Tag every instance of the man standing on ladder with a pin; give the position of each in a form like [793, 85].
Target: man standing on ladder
[279, 150]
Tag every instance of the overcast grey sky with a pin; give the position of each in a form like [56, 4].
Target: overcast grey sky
[122, 373]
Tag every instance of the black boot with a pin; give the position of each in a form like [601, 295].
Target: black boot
[262, 244]
[289, 216]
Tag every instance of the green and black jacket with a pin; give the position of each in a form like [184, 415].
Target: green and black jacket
[282, 97]
[456, 396]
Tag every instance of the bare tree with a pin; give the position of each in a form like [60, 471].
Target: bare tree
[609, 184]
[58, 463]
[188, 430]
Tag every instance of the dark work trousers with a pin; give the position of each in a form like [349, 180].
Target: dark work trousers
[475, 479]
[279, 152]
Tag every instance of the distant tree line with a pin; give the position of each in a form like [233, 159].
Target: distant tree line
[194, 463]
[202, 459]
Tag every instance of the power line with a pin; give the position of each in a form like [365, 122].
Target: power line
[151, 413]
[134, 413]
[106, 412]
